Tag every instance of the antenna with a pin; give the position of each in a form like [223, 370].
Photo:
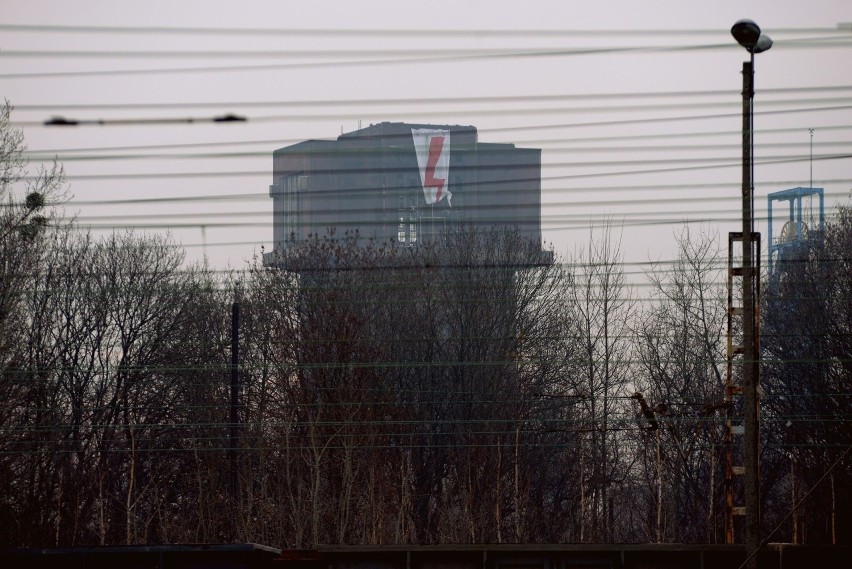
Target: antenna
[811, 185]
[811, 182]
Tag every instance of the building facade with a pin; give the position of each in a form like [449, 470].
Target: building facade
[404, 184]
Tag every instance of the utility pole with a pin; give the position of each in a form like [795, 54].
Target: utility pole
[235, 387]
[751, 375]
[748, 35]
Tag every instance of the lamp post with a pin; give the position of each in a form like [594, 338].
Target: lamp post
[747, 33]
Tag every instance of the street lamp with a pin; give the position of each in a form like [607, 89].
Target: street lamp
[748, 34]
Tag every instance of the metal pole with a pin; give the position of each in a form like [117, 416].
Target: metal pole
[235, 386]
[751, 433]
[812, 158]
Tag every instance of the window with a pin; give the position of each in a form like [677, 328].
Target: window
[400, 231]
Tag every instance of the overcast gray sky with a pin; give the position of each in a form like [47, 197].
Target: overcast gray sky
[635, 105]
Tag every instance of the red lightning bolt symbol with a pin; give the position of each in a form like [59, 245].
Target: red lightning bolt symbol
[436, 145]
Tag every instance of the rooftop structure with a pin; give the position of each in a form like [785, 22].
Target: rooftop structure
[800, 221]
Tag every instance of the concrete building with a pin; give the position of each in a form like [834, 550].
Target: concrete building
[403, 183]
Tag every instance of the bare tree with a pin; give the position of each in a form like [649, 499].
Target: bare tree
[681, 349]
[418, 376]
[603, 307]
[26, 214]
[807, 374]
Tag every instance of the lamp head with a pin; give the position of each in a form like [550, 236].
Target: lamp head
[764, 42]
[747, 33]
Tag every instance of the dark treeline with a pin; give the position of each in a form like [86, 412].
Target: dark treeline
[441, 394]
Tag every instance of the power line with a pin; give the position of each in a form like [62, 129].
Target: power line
[419, 101]
[384, 61]
[545, 217]
[32, 157]
[403, 32]
[577, 140]
[464, 113]
[633, 188]
[706, 164]
[543, 53]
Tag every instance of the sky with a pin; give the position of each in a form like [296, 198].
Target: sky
[635, 105]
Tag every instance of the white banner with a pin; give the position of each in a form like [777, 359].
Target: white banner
[433, 157]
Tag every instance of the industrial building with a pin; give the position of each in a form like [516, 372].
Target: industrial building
[403, 184]
[801, 218]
